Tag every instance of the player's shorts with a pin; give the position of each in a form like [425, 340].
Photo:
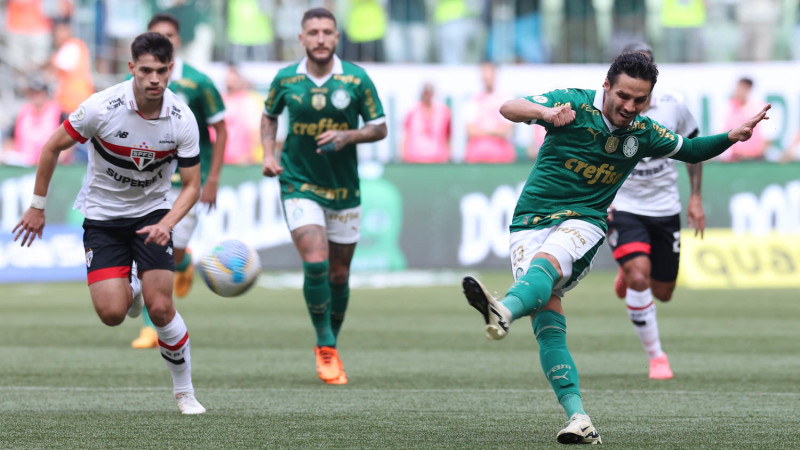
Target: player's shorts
[631, 235]
[182, 231]
[573, 243]
[344, 226]
[111, 246]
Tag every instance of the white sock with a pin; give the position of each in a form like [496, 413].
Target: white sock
[173, 341]
[642, 311]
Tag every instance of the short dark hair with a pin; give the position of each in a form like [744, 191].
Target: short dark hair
[317, 13]
[747, 81]
[164, 17]
[155, 44]
[634, 65]
[641, 47]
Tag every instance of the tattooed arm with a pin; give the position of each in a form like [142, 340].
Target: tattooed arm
[270, 166]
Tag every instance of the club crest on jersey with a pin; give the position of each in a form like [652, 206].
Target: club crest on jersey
[318, 101]
[612, 143]
[78, 115]
[142, 158]
[340, 98]
[630, 146]
[89, 256]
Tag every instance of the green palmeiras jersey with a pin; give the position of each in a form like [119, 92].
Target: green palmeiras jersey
[581, 165]
[203, 98]
[333, 103]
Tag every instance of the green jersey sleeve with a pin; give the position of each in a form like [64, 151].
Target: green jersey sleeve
[275, 98]
[371, 107]
[662, 141]
[213, 106]
[552, 99]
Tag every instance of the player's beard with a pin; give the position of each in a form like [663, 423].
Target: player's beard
[319, 61]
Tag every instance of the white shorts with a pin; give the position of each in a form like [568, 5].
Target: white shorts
[343, 226]
[182, 232]
[573, 243]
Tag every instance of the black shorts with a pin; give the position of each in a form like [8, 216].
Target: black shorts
[631, 235]
[111, 246]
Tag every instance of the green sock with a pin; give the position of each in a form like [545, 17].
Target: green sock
[340, 294]
[531, 291]
[318, 300]
[146, 318]
[181, 266]
[550, 329]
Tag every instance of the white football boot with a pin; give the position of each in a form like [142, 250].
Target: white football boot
[496, 316]
[188, 404]
[579, 430]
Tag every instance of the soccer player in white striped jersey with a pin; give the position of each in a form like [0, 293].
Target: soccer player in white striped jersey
[644, 225]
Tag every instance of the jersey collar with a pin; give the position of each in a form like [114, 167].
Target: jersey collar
[337, 70]
[131, 100]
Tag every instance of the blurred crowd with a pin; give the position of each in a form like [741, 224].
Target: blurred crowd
[57, 52]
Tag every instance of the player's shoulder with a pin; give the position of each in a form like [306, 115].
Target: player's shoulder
[178, 109]
[111, 97]
[351, 68]
[288, 74]
[192, 73]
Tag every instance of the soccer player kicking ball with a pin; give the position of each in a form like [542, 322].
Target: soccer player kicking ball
[137, 128]
[318, 172]
[594, 139]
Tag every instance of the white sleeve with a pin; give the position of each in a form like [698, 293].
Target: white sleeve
[84, 122]
[686, 121]
[189, 142]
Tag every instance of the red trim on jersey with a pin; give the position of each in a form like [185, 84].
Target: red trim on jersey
[639, 308]
[73, 134]
[126, 151]
[631, 247]
[109, 273]
[175, 346]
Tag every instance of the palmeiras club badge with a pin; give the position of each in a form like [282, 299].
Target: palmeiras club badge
[318, 101]
[142, 158]
[630, 146]
[340, 98]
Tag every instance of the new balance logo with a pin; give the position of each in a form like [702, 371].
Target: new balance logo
[121, 134]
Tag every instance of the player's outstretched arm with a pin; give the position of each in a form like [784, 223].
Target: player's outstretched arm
[745, 130]
[208, 194]
[159, 233]
[270, 165]
[33, 219]
[522, 110]
[334, 140]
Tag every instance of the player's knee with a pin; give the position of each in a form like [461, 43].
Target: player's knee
[111, 317]
[663, 294]
[161, 312]
[339, 275]
[637, 281]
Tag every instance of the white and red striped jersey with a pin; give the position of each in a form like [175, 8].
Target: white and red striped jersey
[652, 187]
[130, 162]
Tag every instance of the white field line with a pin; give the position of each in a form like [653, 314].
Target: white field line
[395, 390]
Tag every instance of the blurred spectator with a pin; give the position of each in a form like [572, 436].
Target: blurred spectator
[426, 131]
[244, 143]
[407, 36]
[122, 21]
[456, 30]
[36, 120]
[683, 21]
[364, 31]
[742, 106]
[28, 34]
[629, 23]
[498, 18]
[757, 21]
[488, 132]
[529, 45]
[579, 38]
[71, 66]
[791, 154]
[250, 32]
[197, 34]
[288, 13]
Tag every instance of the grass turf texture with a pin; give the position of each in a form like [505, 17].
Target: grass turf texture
[421, 372]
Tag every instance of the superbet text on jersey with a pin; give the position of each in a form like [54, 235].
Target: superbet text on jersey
[129, 168]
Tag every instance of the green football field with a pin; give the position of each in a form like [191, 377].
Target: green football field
[421, 372]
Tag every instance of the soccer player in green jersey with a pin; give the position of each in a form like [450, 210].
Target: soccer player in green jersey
[594, 139]
[318, 172]
[203, 98]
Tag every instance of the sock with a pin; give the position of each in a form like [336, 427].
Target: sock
[318, 300]
[173, 342]
[642, 311]
[340, 295]
[146, 318]
[184, 264]
[550, 329]
[531, 291]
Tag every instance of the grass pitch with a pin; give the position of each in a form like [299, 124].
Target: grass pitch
[421, 373]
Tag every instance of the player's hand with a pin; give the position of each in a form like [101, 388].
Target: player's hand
[158, 234]
[208, 195]
[271, 167]
[31, 224]
[745, 131]
[331, 141]
[560, 116]
[696, 215]
[610, 212]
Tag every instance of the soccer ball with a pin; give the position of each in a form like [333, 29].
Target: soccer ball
[230, 268]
